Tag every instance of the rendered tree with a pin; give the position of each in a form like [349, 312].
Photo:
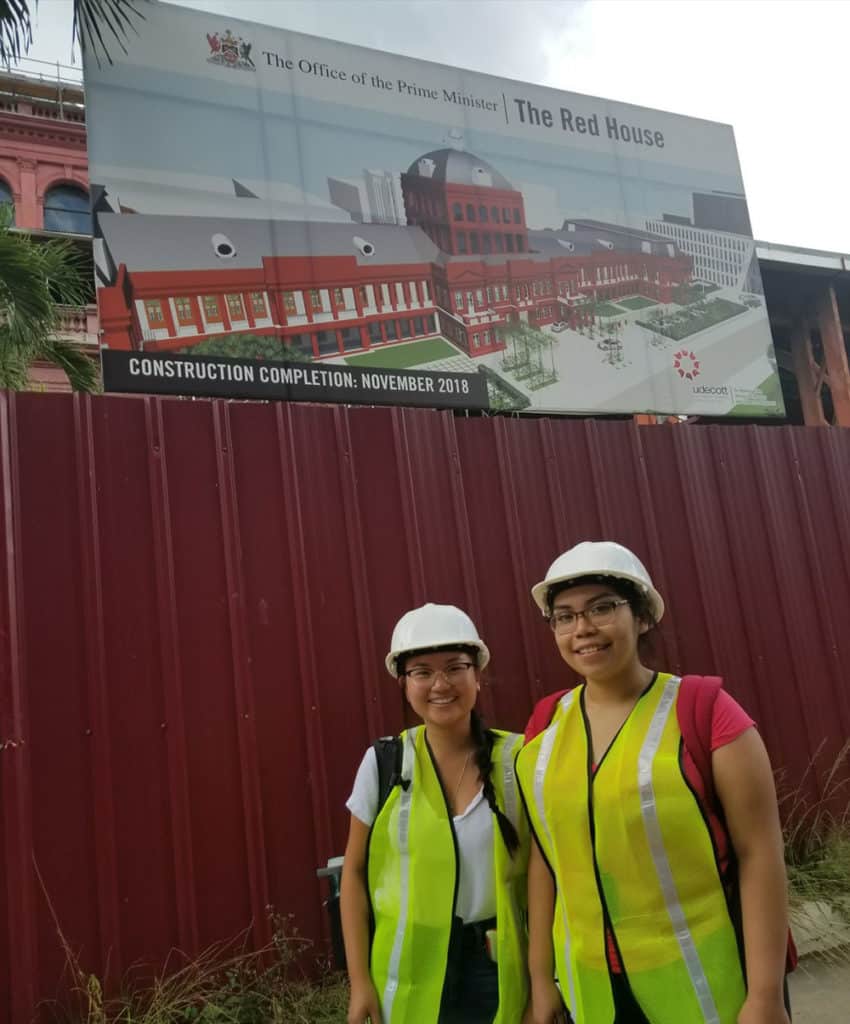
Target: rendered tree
[250, 346]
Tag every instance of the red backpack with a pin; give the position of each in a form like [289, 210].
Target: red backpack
[694, 708]
[695, 711]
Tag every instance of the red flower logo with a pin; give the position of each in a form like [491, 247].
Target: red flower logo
[686, 364]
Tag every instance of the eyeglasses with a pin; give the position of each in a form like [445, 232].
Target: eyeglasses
[452, 674]
[564, 621]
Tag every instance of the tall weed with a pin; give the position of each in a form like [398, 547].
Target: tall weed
[225, 984]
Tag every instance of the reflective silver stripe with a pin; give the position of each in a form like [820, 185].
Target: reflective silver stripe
[540, 769]
[509, 744]
[655, 839]
[407, 771]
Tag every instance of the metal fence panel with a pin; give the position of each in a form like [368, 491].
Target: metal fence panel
[196, 597]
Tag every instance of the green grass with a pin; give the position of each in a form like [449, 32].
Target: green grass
[399, 356]
[636, 302]
[606, 309]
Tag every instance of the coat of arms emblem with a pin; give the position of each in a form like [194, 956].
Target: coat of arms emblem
[230, 51]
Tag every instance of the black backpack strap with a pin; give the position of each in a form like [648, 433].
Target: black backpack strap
[388, 751]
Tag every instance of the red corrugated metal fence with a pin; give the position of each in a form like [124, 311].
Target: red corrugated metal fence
[195, 598]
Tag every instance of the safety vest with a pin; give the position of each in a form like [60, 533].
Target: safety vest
[629, 847]
[412, 870]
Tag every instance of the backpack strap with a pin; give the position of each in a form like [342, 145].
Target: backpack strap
[542, 714]
[695, 708]
[697, 695]
[388, 753]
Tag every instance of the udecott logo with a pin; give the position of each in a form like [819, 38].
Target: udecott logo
[686, 364]
[230, 51]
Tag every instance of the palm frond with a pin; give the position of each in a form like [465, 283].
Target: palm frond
[20, 270]
[15, 30]
[80, 369]
[116, 16]
[14, 364]
[34, 277]
[68, 272]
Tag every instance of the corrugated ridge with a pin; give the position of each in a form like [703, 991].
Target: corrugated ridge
[746, 530]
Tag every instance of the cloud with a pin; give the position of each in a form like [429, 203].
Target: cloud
[775, 71]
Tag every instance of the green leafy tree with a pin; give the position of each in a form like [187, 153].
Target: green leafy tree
[98, 24]
[250, 346]
[35, 279]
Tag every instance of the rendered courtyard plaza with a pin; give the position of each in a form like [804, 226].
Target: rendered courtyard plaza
[550, 367]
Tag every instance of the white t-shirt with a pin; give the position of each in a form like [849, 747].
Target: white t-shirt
[476, 892]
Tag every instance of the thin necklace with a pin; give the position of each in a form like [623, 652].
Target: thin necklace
[460, 780]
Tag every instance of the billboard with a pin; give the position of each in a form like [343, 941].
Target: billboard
[282, 216]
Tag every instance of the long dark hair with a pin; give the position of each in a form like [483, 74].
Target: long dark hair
[484, 763]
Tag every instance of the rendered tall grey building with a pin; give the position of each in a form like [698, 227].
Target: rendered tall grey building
[385, 205]
[722, 211]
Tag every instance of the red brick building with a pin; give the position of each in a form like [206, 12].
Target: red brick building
[43, 166]
[44, 174]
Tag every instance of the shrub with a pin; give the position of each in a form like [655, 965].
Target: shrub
[817, 851]
[249, 346]
[226, 984]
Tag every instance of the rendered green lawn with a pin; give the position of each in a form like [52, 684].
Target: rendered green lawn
[606, 309]
[397, 357]
[636, 302]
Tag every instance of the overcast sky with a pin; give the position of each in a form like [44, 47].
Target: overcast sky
[776, 70]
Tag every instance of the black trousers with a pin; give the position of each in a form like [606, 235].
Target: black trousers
[471, 988]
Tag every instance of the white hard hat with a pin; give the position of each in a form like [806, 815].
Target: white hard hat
[598, 558]
[434, 625]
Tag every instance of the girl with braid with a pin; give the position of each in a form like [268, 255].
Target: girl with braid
[433, 898]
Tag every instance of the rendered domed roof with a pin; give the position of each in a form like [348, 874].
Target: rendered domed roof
[457, 167]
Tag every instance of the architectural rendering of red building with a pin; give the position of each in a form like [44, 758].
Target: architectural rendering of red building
[464, 205]
[464, 265]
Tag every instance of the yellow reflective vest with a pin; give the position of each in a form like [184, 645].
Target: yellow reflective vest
[412, 871]
[629, 847]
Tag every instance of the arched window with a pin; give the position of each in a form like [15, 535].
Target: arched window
[6, 197]
[66, 208]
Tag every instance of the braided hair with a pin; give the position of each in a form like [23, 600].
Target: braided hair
[483, 745]
[484, 762]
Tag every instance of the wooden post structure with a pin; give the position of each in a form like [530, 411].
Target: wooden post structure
[835, 355]
[810, 376]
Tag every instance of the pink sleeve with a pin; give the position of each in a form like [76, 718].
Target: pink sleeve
[728, 721]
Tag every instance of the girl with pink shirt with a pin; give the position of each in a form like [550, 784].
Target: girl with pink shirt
[657, 891]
